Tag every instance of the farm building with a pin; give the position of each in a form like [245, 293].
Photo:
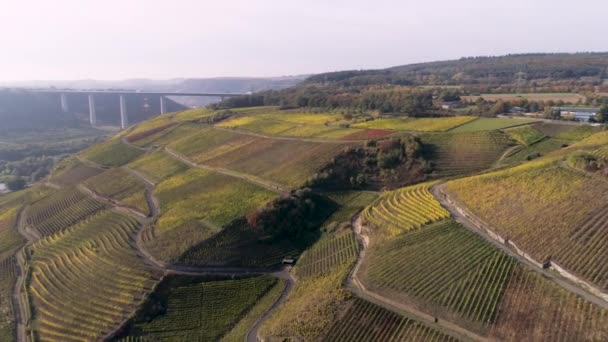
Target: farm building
[580, 114]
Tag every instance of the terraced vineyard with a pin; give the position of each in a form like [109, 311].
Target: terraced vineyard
[168, 135]
[442, 266]
[363, 320]
[206, 311]
[61, 210]
[86, 280]
[157, 166]
[120, 185]
[404, 209]
[8, 276]
[535, 309]
[548, 212]
[464, 153]
[338, 249]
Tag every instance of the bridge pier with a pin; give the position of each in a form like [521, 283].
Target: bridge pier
[64, 103]
[124, 120]
[163, 105]
[92, 116]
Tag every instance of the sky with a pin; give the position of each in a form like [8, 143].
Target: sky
[121, 39]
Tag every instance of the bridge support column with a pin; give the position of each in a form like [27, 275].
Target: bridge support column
[92, 116]
[124, 120]
[64, 103]
[163, 105]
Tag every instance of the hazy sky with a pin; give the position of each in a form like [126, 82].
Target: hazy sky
[117, 39]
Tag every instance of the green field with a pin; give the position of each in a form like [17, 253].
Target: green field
[491, 124]
[195, 204]
[111, 153]
[417, 124]
[210, 311]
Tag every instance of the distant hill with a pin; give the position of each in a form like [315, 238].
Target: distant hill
[587, 68]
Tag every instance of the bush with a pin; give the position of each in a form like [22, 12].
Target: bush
[296, 216]
[16, 184]
[586, 161]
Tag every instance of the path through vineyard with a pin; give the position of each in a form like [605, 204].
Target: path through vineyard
[463, 216]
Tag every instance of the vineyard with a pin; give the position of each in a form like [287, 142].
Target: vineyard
[195, 204]
[206, 311]
[442, 266]
[365, 321]
[417, 124]
[328, 253]
[8, 275]
[350, 203]
[238, 245]
[535, 309]
[491, 124]
[168, 135]
[525, 135]
[287, 162]
[464, 153]
[566, 132]
[111, 153]
[404, 209]
[158, 166]
[10, 239]
[71, 171]
[61, 210]
[121, 186]
[87, 279]
[549, 212]
[525, 153]
[311, 308]
[303, 125]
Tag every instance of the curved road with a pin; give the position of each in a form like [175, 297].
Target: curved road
[353, 283]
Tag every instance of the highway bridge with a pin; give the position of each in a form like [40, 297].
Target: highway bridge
[122, 98]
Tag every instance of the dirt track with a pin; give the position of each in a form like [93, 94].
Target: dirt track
[463, 216]
[353, 283]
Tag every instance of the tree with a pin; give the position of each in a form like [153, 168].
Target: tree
[602, 114]
[16, 184]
